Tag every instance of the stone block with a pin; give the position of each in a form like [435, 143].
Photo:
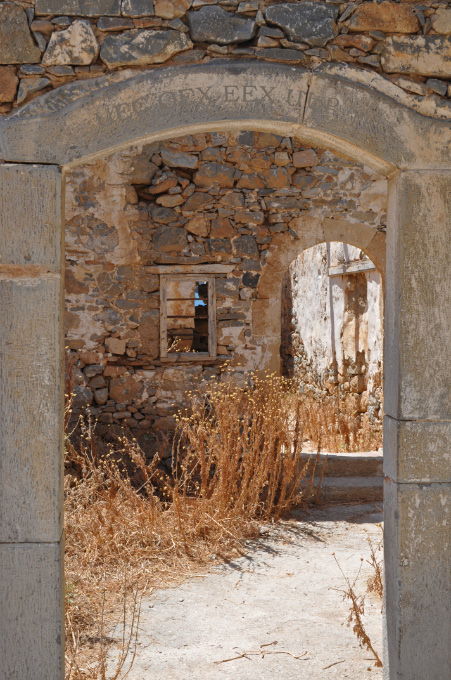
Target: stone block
[31, 406]
[8, 83]
[417, 540]
[137, 8]
[389, 17]
[15, 37]
[309, 22]
[425, 55]
[441, 21]
[30, 86]
[417, 451]
[141, 47]
[418, 297]
[30, 215]
[355, 119]
[31, 612]
[76, 46]
[215, 25]
[79, 8]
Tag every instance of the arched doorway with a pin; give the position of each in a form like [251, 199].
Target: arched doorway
[82, 121]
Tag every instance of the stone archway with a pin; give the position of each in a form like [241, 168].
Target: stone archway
[83, 120]
[310, 230]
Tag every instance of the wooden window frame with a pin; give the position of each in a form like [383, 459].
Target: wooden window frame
[212, 353]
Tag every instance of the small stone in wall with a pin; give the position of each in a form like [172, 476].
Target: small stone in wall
[137, 8]
[198, 225]
[305, 159]
[389, 17]
[169, 239]
[80, 8]
[171, 9]
[16, 43]
[215, 25]
[8, 83]
[441, 21]
[427, 55]
[125, 389]
[82, 397]
[138, 48]
[29, 86]
[178, 159]
[215, 173]
[115, 345]
[114, 24]
[310, 22]
[101, 396]
[76, 45]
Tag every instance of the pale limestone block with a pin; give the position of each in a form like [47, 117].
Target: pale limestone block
[30, 215]
[417, 451]
[31, 405]
[85, 119]
[31, 612]
[418, 297]
[356, 119]
[417, 568]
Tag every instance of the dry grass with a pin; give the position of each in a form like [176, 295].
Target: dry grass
[331, 426]
[236, 463]
[130, 525]
[357, 603]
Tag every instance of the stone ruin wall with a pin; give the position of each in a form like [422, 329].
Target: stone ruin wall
[332, 326]
[48, 43]
[203, 199]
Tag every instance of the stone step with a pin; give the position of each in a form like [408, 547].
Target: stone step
[351, 489]
[368, 464]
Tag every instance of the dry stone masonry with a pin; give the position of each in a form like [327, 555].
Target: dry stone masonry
[48, 43]
[206, 201]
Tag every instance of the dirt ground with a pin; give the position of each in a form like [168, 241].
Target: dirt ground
[282, 597]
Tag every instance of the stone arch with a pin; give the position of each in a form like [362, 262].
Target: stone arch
[307, 231]
[87, 119]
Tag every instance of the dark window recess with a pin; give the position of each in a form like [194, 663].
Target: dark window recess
[187, 317]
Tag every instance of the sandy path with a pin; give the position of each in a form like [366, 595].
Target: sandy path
[282, 591]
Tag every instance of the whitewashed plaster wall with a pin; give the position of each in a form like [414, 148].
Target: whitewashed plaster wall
[324, 318]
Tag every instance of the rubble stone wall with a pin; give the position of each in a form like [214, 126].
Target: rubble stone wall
[47, 43]
[200, 200]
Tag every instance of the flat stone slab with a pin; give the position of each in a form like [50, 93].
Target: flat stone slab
[426, 55]
[82, 8]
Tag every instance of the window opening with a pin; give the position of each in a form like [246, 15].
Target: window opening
[188, 316]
